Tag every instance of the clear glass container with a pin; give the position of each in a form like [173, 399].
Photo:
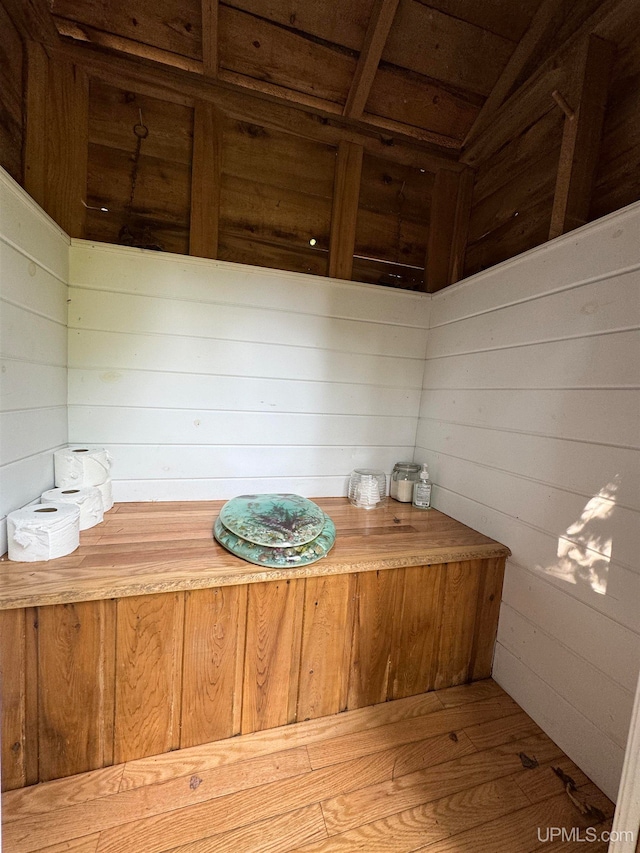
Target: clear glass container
[367, 488]
[403, 476]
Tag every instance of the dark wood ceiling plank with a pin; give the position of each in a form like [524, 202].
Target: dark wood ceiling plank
[342, 24]
[380, 23]
[445, 48]
[424, 105]
[502, 17]
[210, 37]
[449, 223]
[182, 87]
[165, 24]
[206, 174]
[545, 20]
[263, 51]
[33, 20]
[345, 209]
[581, 140]
[130, 47]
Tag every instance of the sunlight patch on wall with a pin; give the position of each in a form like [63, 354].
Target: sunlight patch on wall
[584, 550]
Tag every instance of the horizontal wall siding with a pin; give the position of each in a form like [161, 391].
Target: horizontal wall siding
[207, 379]
[529, 422]
[33, 348]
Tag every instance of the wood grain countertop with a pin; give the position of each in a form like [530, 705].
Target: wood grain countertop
[146, 548]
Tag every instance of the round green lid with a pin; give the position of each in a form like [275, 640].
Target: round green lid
[278, 557]
[276, 520]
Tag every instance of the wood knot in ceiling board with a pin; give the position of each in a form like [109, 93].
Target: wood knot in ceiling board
[256, 43]
[255, 131]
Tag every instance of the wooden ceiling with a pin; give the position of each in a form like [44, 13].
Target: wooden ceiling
[402, 66]
[388, 141]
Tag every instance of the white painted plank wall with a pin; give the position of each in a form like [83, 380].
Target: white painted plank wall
[530, 424]
[34, 261]
[209, 379]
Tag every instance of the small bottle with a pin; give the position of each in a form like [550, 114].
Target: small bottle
[422, 490]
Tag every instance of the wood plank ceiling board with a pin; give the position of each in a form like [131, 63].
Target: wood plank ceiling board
[446, 48]
[166, 24]
[256, 49]
[502, 17]
[342, 24]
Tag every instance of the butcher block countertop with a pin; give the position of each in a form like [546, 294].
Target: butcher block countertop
[146, 548]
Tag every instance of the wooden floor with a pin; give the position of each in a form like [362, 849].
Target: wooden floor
[462, 769]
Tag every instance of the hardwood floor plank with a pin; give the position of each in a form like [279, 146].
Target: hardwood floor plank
[494, 732]
[61, 793]
[275, 835]
[199, 759]
[427, 753]
[374, 802]
[405, 831]
[541, 782]
[346, 747]
[87, 844]
[517, 832]
[162, 832]
[110, 812]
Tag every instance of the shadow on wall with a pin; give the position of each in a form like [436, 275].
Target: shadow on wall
[584, 550]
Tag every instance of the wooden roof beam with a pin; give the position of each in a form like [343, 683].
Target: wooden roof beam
[180, 86]
[581, 140]
[210, 37]
[380, 23]
[33, 20]
[546, 19]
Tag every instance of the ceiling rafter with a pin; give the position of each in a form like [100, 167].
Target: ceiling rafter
[210, 37]
[380, 23]
[581, 139]
[552, 69]
[545, 20]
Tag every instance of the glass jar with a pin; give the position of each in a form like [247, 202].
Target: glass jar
[403, 476]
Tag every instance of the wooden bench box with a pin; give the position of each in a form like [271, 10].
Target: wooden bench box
[151, 637]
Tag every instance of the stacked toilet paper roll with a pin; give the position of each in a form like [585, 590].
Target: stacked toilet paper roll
[82, 467]
[43, 532]
[88, 500]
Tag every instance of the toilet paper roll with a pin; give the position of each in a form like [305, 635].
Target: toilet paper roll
[107, 494]
[77, 467]
[88, 500]
[43, 532]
